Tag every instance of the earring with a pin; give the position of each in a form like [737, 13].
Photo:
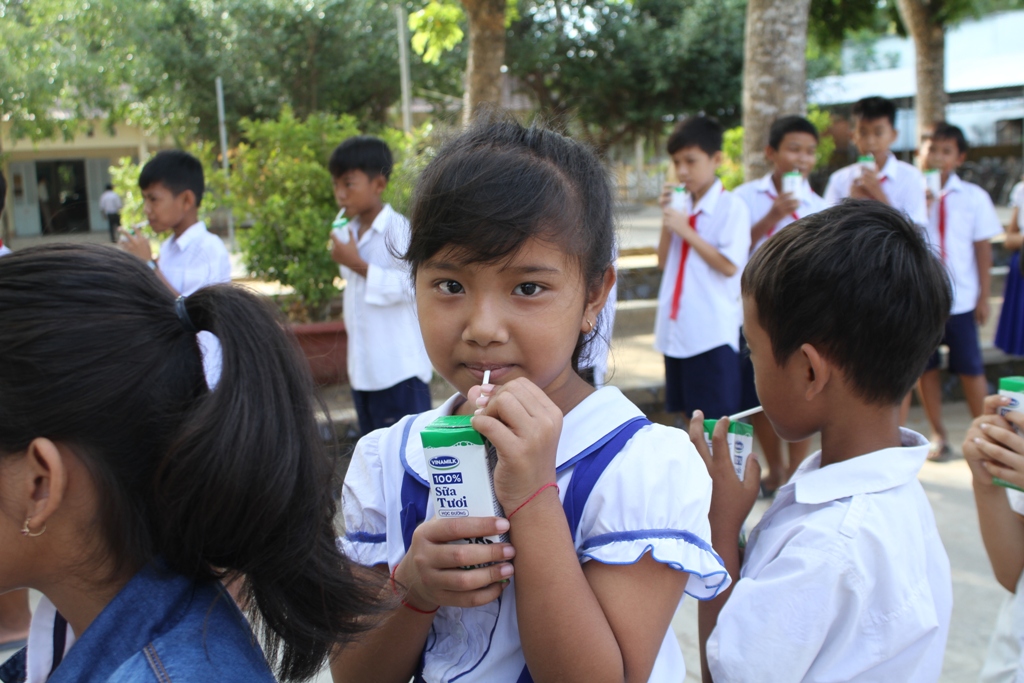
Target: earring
[25, 531]
[591, 328]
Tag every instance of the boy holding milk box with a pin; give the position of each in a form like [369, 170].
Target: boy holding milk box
[845, 577]
[705, 240]
[776, 200]
[961, 223]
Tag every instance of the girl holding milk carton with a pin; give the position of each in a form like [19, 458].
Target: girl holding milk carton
[603, 520]
[994, 449]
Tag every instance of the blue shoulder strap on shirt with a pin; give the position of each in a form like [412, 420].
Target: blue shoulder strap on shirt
[590, 465]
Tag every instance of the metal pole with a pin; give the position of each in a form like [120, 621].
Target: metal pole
[403, 68]
[224, 154]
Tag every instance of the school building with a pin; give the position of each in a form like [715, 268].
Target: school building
[54, 186]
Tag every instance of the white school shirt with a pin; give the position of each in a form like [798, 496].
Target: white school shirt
[4, 249]
[385, 346]
[110, 203]
[845, 579]
[1017, 200]
[903, 185]
[710, 312]
[653, 497]
[759, 196]
[197, 259]
[969, 217]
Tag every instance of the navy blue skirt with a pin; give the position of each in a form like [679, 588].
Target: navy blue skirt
[1010, 333]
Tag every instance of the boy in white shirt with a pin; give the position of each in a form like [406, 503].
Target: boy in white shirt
[961, 222]
[792, 148]
[890, 181]
[172, 185]
[705, 240]
[845, 577]
[388, 367]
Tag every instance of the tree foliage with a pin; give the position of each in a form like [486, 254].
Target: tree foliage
[153, 62]
[626, 68]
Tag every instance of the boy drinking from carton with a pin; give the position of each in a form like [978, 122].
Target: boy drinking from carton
[705, 239]
[845, 577]
[388, 367]
[878, 175]
[961, 221]
[775, 201]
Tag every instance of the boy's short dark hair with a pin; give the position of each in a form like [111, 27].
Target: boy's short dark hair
[943, 130]
[3, 190]
[361, 153]
[875, 108]
[696, 131]
[859, 283]
[789, 124]
[177, 171]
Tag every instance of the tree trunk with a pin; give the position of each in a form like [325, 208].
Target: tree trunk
[774, 73]
[930, 49]
[486, 55]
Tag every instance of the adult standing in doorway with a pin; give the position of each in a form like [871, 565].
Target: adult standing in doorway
[43, 195]
[110, 206]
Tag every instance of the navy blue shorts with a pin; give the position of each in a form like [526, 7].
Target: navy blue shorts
[748, 390]
[964, 348]
[377, 409]
[709, 382]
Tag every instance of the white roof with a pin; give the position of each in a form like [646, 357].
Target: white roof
[980, 55]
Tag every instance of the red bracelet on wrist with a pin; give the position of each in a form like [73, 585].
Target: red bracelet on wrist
[537, 493]
[394, 589]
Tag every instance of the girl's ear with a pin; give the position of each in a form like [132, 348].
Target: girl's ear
[379, 183]
[818, 371]
[596, 299]
[44, 482]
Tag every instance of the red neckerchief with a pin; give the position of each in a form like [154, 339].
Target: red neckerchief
[942, 225]
[677, 292]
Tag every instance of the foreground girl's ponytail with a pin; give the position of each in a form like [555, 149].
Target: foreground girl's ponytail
[246, 486]
[98, 356]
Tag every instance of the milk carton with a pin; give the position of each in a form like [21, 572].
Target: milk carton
[339, 227]
[678, 200]
[933, 182]
[460, 463]
[741, 443]
[793, 183]
[867, 162]
[1012, 388]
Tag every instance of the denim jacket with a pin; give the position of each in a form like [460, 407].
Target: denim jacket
[165, 628]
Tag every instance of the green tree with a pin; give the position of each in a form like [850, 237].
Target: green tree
[622, 69]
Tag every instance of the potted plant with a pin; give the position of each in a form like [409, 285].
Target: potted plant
[281, 188]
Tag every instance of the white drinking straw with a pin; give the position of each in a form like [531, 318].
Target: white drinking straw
[745, 413]
[487, 377]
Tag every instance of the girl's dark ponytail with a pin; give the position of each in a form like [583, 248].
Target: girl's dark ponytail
[246, 486]
[234, 480]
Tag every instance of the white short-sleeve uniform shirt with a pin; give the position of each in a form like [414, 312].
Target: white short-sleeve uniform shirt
[760, 194]
[902, 183]
[1017, 200]
[653, 497]
[962, 215]
[844, 579]
[194, 260]
[385, 346]
[4, 249]
[710, 312]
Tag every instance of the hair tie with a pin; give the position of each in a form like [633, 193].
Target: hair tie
[186, 322]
